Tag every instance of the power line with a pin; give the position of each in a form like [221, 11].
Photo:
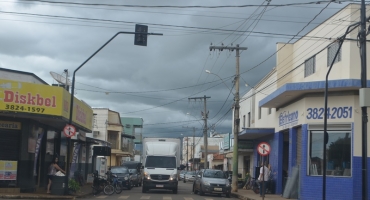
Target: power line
[171, 6]
[153, 24]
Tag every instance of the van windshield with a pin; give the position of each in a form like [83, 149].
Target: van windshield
[160, 162]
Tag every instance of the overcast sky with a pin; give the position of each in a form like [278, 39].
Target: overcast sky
[153, 82]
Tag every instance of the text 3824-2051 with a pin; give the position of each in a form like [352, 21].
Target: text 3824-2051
[332, 113]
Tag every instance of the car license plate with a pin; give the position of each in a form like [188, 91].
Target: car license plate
[160, 186]
[218, 189]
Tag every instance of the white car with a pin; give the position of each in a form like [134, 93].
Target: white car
[182, 174]
[190, 176]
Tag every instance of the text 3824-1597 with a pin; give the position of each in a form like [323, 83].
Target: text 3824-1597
[24, 108]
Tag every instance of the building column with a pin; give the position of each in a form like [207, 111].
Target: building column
[292, 149]
[279, 138]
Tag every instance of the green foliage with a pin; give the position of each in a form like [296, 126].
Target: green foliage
[73, 185]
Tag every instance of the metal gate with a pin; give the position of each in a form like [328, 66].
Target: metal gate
[9, 144]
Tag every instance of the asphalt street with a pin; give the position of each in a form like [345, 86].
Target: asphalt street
[184, 193]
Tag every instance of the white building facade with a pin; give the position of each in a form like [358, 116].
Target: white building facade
[286, 110]
[108, 127]
[193, 148]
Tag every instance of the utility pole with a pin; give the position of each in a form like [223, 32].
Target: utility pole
[205, 136]
[363, 109]
[187, 153]
[192, 148]
[234, 186]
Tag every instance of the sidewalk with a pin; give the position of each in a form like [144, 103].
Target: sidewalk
[250, 195]
[41, 194]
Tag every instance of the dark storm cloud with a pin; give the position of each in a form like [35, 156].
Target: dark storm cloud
[176, 60]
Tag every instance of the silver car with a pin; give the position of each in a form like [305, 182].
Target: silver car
[213, 182]
[189, 176]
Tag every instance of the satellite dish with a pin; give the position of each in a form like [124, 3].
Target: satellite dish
[61, 79]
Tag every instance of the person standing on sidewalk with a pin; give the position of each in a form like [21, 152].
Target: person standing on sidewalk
[263, 178]
[53, 167]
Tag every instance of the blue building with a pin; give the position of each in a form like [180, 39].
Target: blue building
[286, 111]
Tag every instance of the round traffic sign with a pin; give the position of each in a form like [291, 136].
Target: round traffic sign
[263, 149]
[69, 130]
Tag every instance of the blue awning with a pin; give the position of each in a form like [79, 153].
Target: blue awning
[290, 91]
[254, 133]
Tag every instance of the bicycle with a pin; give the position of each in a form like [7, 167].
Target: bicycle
[99, 183]
[117, 184]
[248, 184]
[112, 185]
[255, 186]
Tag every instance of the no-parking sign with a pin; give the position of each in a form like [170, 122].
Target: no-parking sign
[263, 149]
[69, 130]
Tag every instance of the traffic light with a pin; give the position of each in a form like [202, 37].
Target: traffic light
[141, 39]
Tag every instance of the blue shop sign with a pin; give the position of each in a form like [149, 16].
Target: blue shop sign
[288, 119]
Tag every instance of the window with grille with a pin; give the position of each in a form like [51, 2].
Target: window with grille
[332, 50]
[112, 138]
[309, 66]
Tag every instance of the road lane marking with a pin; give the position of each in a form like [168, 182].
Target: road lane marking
[124, 197]
[207, 199]
[188, 198]
[169, 198]
[145, 197]
[101, 197]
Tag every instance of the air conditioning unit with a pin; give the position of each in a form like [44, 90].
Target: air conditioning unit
[95, 133]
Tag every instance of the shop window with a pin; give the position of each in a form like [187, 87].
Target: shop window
[243, 121]
[259, 112]
[50, 142]
[310, 66]
[332, 50]
[338, 149]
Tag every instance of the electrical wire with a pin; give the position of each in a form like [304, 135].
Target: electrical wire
[170, 6]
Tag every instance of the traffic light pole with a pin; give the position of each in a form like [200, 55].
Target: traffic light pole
[138, 36]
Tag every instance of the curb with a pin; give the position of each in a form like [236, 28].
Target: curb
[35, 197]
[239, 196]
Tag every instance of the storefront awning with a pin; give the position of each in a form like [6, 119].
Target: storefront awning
[291, 91]
[254, 133]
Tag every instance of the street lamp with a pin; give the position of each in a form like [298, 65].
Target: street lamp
[209, 72]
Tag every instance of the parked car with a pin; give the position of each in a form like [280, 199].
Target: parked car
[123, 174]
[189, 176]
[136, 172]
[136, 177]
[182, 174]
[212, 181]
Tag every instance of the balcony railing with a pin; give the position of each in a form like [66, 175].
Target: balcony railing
[128, 147]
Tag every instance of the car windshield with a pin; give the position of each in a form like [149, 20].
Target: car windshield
[119, 170]
[134, 171]
[191, 173]
[160, 162]
[214, 174]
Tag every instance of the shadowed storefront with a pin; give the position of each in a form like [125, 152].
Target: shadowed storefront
[32, 117]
